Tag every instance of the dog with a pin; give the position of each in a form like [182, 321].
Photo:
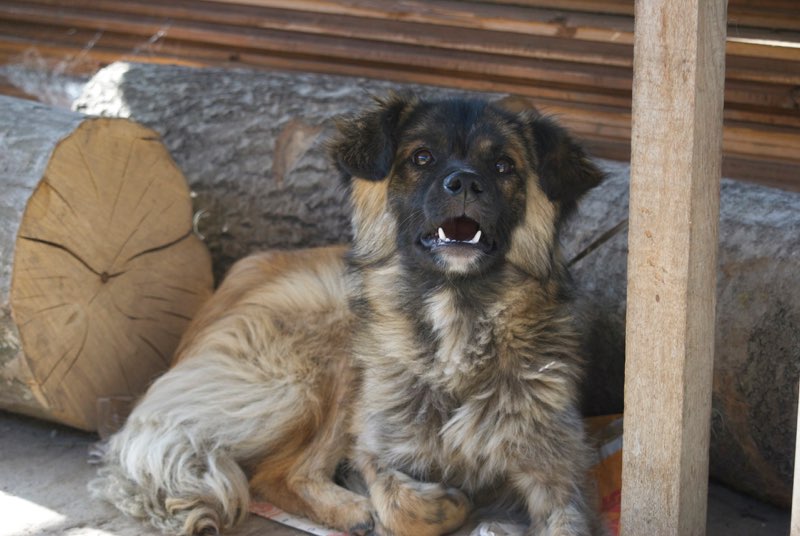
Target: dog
[436, 358]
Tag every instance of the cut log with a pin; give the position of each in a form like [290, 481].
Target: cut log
[99, 268]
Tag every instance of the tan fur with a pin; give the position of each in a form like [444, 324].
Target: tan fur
[263, 380]
[531, 241]
[442, 388]
[374, 229]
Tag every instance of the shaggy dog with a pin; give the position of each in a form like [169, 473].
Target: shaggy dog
[436, 359]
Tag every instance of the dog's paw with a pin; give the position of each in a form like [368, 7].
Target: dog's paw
[362, 529]
[410, 508]
[354, 517]
[374, 528]
[446, 508]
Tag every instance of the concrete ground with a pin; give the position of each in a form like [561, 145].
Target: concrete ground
[44, 472]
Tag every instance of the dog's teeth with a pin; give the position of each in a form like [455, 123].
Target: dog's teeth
[475, 238]
[442, 236]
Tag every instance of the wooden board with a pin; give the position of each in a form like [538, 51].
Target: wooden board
[574, 58]
[674, 212]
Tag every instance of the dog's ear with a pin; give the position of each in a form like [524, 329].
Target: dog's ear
[565, 171]
[364, 145]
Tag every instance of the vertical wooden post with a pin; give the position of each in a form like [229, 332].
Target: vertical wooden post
[795, 530]
[679, 65]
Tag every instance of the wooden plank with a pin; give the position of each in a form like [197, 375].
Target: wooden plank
[449, 13]
[768, 70]
[795, 530]
[774, 14]
[758, 46]
[674, 209]
[334, 48]
[175, 18]
[421, 11]
[763, 141]
[81, 35]
[620, 7]
[758, 98]
[402, 21]
[772, 173]
[765, 16]
[182, 21]
[485, 53]
[762, 117]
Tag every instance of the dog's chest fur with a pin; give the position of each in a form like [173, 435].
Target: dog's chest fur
[454, 386]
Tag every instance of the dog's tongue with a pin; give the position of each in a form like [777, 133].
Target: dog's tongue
[462, 228]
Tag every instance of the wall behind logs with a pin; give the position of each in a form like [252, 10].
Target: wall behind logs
[574, 61]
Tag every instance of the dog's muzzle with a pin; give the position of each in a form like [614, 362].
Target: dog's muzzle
[464, 189]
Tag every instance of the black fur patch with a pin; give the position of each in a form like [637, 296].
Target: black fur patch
[565, 171]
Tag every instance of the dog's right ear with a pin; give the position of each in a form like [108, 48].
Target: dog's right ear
[364, 145]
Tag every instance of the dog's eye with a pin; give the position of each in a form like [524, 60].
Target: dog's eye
[504, 165]
[422, 157]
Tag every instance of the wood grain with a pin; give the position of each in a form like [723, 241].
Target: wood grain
[674, 210]
[101, 266]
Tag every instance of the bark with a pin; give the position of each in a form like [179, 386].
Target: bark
[757, 339]
[20, 172]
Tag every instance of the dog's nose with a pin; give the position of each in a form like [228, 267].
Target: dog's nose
[463, 181]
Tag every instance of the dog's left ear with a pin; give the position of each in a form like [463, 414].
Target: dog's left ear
[364, 145]
[565, 171]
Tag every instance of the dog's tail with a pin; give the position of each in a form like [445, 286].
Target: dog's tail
[188, 492]
[176, 463]
[245, 385]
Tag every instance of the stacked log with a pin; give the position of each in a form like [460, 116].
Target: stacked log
[575, 57]
[99, 268]
[252, 146]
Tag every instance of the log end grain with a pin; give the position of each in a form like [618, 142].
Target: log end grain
[107, 271]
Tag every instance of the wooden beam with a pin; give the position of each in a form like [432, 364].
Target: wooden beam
[795, 530]
[679, 67]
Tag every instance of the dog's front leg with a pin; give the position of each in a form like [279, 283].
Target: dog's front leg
[407, 507]
[557, 506]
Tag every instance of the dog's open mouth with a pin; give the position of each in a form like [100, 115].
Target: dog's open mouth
[461, 231]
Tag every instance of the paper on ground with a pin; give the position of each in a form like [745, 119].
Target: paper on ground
[274, 513]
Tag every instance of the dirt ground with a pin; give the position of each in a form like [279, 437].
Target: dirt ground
[44, 473]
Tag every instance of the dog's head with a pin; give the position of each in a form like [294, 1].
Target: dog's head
[457, 186]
